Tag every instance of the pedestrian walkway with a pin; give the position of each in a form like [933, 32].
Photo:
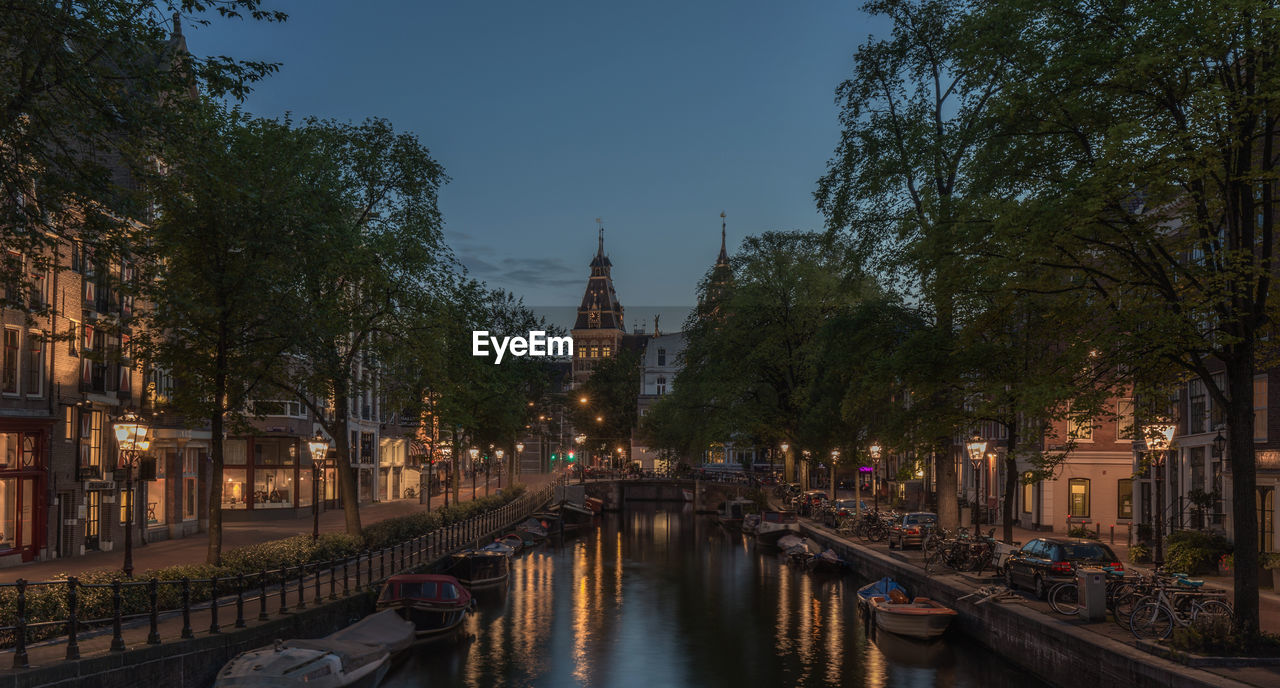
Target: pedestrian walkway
[193, 549]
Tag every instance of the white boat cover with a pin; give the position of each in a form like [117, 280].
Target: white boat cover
[385, 628]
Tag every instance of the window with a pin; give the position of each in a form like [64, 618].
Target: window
[1124, 419]
[156, 489]
[91, 443]
[1078, 497]
[68, 423]
[35, 364]
[190, 466]
[1197, 412]
[595, 352]
[1028, 492]
[1195, 459]
[1260, 408]
[1080, 428]
[126, 502]
[1124, 498]
[662, 357]
[9, 384]
[73, 339]
[662, 384]
[606, 351]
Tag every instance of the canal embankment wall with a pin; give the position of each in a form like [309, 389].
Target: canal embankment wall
[1053, 649]
[196, 661]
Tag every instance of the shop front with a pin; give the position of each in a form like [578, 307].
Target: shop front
[23, 474]
[266, 474]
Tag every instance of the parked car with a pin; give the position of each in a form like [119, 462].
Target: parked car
[839, 509]
[1043, 562]
[909, 529]
[809, 502]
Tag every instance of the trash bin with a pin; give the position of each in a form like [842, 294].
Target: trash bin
[1093, 594]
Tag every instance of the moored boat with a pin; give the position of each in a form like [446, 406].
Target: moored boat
[774, 524]
[514, 541]
[480, 569]
[500, 547]
[881, 588]
[750, 522]
[354, 657]
[828, 561]
[919, 618]
[733, 511]
[435, 603]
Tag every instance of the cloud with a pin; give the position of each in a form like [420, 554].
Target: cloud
[521, 272]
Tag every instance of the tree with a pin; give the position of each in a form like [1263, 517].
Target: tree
[610, 413]
[913, 118]
[217, 267]
[1145, 138]
[87, 90]
[375, 243]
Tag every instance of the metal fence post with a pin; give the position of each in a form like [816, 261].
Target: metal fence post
[73, 647]
[382, 563]
[20, 629]
[284, 590]
[186, 608]
[239, 600]
[319, 595]
[153, 592]
[117, 639]
[302, 587]
[262, 596]
[213, 605]
[346, 585]
[358, 570]
[333, 580]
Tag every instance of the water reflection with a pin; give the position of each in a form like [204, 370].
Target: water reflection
[663, 598]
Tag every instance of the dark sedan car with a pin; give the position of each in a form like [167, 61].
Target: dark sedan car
[1045, 561]
[910, 529]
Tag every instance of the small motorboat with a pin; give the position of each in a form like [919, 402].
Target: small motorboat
[733, 512]
[774, 524]
[749, 523]
[435, 603]
[479, 569]
[796, 549]
[881, 588]
[595, 504]
[828, 561]
[572, 516]
[354, 657]
[515, 542]
[500, 547]
[919, 618]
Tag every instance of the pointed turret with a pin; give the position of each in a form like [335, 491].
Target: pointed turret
[723, 258]
[598, 330]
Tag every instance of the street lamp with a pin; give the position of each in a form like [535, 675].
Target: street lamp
[835, 459]
[515, 469]
[875, 450]
[133, 438]
[319, 447]
[502, 467]
[977, 448]
[582, 473]
[424, 452]
[474, 454]
[1159, 437]
[784, 447]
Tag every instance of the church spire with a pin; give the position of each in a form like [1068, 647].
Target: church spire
[600, 224]
[723, 258]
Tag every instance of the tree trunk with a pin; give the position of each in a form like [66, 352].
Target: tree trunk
[1240, 369]
[346, 474]
[944, 475]
[788, 466]
[1010, 483]
[454, 483]
[214, 553]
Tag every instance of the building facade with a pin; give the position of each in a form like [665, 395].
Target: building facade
[598, 331]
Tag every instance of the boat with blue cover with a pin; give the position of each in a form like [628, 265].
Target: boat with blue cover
[881, 588]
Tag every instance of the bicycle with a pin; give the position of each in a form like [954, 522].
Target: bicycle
[1155, 617]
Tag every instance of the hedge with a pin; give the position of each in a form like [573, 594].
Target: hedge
[49, 602]
[1195, 552]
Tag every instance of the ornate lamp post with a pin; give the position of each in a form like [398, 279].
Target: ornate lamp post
[875, 451]
[977, 449]
[582, 473]
[784, 447]
[319, 447]
[133, 438]
[1159, 437]
[475, 453]
[502, 467]
[516, 459]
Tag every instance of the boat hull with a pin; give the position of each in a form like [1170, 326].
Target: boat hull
[770, 533]
[920, 619]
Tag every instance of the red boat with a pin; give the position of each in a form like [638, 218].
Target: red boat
[435, 604]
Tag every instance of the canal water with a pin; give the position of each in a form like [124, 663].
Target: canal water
[657, 597]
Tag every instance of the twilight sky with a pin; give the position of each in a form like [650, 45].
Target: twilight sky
[653, 115]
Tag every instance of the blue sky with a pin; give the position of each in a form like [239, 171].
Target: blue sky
[653, 115]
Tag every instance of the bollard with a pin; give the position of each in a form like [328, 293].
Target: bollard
[262, 596]
[1098, 529]
[117, 640]
[239, 600]
[153, 592]
[213, 605]
[20, 628]
[1113, 534]
[186, 608]
[73, 647]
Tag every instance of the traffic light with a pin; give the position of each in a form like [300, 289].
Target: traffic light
[553, 458]
[570, 458]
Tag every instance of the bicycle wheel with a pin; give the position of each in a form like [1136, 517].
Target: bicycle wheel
[1123, 607]
[1151, 621]
[932, 560]
[1212, 613]
[877, 533]
[1064, 598]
